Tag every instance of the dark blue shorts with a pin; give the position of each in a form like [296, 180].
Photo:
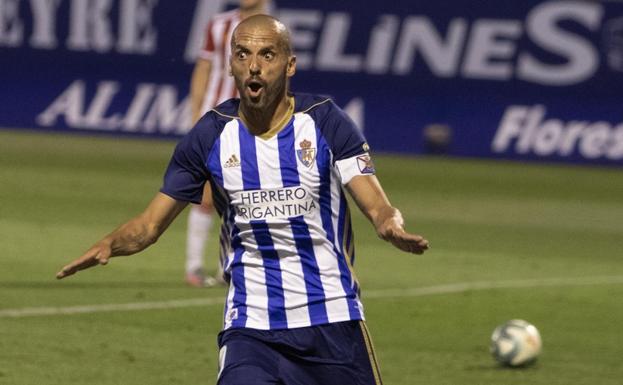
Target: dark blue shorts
[338, 353]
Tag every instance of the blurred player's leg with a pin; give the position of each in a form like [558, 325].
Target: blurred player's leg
[199, 224]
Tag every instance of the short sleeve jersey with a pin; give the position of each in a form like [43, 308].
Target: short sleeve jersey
[286, 231]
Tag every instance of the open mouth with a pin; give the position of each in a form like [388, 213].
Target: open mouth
[254, 88]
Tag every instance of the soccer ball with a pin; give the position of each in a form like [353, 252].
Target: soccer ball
[515, 343]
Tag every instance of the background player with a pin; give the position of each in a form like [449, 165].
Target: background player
[211, 84]
[278, 162]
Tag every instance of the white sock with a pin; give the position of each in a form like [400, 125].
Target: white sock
[199, 224]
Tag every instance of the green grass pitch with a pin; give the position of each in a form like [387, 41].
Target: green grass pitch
[553, 231]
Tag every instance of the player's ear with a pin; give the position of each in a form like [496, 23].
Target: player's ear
[291, 66]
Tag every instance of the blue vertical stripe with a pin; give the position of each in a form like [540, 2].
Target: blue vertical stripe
[341, 223]
[346, 237]
[323, 160]
[213, 163]
[302, 238]
[226, 239]
[343, 227]
[248, 159]
[350, 245]
[237, 280]
[221, 199]
[274, 285]
[236, 276]
[224, 242]
[237, 268]
[287, 157]
[311, 272]
[261, 232]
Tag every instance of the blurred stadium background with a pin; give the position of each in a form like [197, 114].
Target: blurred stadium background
[497, 128]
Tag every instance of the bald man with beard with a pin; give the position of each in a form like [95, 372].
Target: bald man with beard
[279, 164]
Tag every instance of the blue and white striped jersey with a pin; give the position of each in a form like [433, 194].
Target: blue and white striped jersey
[286, 233]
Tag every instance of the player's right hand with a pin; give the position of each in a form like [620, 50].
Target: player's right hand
[99, 254]
[411, 243]
[391, 229]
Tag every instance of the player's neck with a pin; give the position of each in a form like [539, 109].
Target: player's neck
[260, 121]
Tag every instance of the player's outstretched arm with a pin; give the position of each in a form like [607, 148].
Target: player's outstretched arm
[387, 220]
[131, 237]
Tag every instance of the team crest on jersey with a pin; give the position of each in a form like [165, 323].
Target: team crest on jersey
[306, 154]
[365, 164]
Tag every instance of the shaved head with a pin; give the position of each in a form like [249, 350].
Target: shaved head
[262, 64]
[261, 25]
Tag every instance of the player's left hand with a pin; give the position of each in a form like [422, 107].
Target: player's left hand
[391, 229]
[99, 254]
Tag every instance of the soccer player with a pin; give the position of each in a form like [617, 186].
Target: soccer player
[277, 163]
[210, 85]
